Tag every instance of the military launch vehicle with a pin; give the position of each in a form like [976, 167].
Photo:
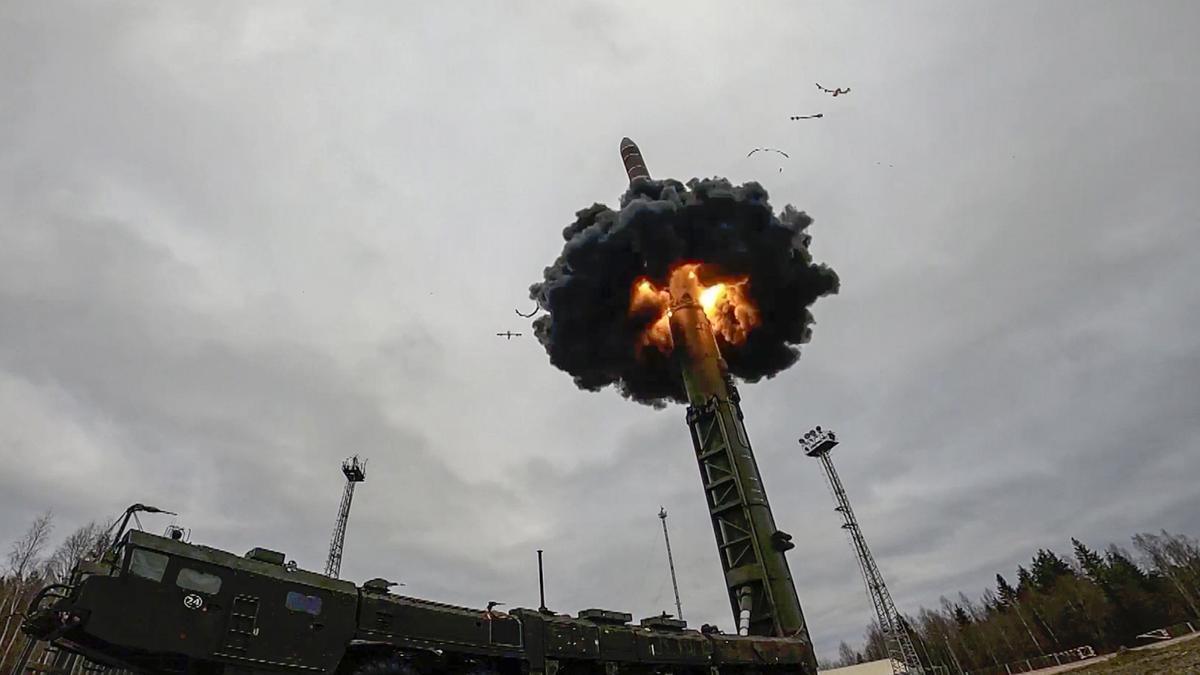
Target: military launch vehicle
[158, 605]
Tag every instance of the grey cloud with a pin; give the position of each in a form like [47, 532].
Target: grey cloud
[241, 242]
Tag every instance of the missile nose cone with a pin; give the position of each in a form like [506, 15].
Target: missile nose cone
[635, 166]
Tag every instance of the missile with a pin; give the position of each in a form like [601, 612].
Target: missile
[635, 166]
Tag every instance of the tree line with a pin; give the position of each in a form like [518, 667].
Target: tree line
[31, 564]
[1055, 603]
[1104, 600]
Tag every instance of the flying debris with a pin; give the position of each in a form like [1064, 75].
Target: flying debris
[835, 92]
[529, 315]
[808, 117]
[768, 150]
[508, 335]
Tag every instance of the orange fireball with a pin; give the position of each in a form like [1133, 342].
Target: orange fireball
[726, 304]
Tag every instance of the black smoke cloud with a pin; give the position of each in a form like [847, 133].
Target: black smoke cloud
[731, 230]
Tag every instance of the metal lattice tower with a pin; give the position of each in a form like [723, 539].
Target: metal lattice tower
[662, 514]
[355, 472]
[817, 443]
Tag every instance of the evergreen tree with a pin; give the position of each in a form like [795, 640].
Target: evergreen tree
[992, 605]
[1024, 581]
[1102, 600]
[1007, 594]
[1089, 561]
[1132, 594]
[1123, 570]
[1047, 569]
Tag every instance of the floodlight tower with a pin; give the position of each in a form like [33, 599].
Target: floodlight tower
[355, 472]
[817, 443]
[662, 515]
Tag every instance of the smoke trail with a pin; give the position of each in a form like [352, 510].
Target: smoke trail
[588, 330]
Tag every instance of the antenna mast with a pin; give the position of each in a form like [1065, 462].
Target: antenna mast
[355, 472]
[662, 514]
[903, 655]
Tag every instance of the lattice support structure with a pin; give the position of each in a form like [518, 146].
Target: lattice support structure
[751, 548]
[762, 594]
[817, 443]
[355, 472]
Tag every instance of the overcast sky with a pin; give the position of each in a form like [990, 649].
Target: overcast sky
[240, 241]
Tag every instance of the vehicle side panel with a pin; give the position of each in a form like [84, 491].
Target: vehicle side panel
[411, 622]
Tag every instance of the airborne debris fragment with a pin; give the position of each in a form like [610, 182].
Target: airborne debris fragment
[835, 92]
[768, 150]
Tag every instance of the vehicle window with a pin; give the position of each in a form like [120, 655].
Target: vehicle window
[147, 564]
[299, 602]
[200, 582]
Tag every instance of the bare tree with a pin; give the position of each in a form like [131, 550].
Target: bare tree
[846, 655]
[1169, 556]
[24, 559]
[81, 544]
[875, 647]
[26, 551]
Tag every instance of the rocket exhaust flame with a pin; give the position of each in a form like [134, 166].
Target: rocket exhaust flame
[608, 296]
[726, 304]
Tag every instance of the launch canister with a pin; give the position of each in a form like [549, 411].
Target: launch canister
[635, 166]
[762, 594]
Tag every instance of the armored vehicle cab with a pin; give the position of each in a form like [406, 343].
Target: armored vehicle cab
[160, 605]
